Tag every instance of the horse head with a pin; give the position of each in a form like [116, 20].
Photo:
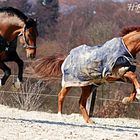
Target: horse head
[28, 37]
[14, 23]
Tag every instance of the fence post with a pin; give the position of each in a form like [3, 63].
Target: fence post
[91, 102]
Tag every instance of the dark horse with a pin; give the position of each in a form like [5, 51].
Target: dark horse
[14, 23]
[88, 67]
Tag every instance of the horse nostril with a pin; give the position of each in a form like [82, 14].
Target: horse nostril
[32, 56]
[29, 56]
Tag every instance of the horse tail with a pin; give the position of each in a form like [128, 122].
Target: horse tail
[49, 67]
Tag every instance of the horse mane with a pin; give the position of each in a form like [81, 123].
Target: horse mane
[14, 12]
[129, 29]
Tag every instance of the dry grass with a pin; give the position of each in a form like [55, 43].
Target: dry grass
[31, 96]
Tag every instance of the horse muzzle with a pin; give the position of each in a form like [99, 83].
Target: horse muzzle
[31, 53]
[30, 56]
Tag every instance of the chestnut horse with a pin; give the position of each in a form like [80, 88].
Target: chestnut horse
[14, 24]
[50, 66]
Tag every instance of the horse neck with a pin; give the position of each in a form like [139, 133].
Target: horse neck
[11, 32]
[10, 27]
[132, 42]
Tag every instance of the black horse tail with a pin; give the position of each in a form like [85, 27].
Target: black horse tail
[49, 67]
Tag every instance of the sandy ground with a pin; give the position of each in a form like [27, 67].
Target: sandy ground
[21, 125]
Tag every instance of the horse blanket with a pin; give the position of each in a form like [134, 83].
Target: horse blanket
[86, 65]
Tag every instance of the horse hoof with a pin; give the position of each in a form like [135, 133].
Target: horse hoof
[17, 85]
[138, 98]
[126, 100]
[90, 121]
[59, 114]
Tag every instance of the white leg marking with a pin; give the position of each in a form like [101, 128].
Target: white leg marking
[0, 83]
[138, 93]
[17, 84]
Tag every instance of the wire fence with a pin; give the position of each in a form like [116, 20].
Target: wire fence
[103, 92]
[52, 95]
[68, 96]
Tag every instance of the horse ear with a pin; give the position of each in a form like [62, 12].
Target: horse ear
[30, 22]
[36, 20]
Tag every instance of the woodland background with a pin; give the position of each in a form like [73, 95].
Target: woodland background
[63, 25]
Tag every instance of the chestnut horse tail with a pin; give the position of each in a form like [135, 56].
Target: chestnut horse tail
[49, 67]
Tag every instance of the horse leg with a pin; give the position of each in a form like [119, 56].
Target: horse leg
[86, 91]
[7, 73]
[136, 93]
[61, 97]
[20, 64]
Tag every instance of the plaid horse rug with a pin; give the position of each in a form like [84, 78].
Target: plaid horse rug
[86, 65]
